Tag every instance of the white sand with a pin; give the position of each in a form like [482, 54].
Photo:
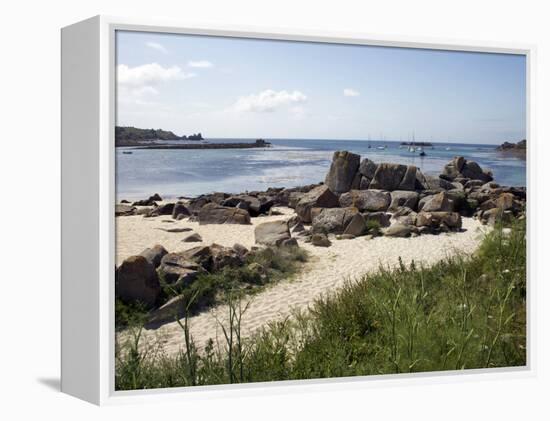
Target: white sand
[327, 269]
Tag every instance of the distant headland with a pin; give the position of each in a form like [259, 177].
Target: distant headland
[132, 136]
[520, 147]
[147, 139]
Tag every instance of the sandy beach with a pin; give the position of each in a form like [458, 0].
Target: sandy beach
[326, 270]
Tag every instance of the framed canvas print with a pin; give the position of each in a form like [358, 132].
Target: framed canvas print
[246, 210]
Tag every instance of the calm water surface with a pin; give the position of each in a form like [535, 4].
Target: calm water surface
[288, 163]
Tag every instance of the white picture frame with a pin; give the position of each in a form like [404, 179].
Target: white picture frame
[88, 198]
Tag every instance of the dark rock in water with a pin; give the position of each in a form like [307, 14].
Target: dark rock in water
[212, 213]
[154, 254]
[333, 220]
[342, 171]
[124, 210]
[401, 198]
[319, 197]
[356, 226]
[388, 176]
[437, 202]
[156, 197]
[398, 230]
[177, 270]
[137, 282]
[124, 201]
[271, 233]
[192, 238]
[320, 240]
[380, 218]
[462, 168]
[180, 209]
[366, 200]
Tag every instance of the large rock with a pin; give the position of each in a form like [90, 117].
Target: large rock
[367, 168]
[462, 168]
[271, 233]
[409, 179]
[122, 209]
[436, 184]
[435, 219]
[398, 230]
[366, 200]
[401, 198]
[154, 254]
[333, 220]
[211, 213]
[180, 209]
[356, 226]
[255, 205]
[136, 282]
[178, 271]
[319, 197]
[342, 171]
[215, 257]
[388, 176]
[165, 209]
[437, 202]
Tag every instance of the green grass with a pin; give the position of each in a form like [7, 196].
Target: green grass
[461, 313]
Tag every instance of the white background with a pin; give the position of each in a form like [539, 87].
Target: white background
[30, 222]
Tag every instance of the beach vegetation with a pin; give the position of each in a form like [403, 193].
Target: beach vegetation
[465, 312]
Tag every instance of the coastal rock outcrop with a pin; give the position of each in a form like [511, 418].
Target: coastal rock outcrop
[366, 200]
[460, 167]
[177, 270]
[342, 171]
[272, 233]
[333, 220]
[137, 282]
[319, 197]
[154, 254]
[401, 198]
[211, 213]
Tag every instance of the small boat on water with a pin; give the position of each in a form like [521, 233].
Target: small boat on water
[381, 147]
[447, 149]
[127, 152]
[422, 153]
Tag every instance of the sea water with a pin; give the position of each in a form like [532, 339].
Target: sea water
[288, 163]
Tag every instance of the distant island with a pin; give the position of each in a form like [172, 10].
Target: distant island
[132, 136]
[520, 147]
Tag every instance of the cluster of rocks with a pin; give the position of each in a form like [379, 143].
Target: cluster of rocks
[138, 279]
[361, 197]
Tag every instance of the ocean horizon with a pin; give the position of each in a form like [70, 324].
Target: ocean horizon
[288, 163]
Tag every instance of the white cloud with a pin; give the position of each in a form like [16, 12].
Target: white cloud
[157, 46]
[147, 74]
[202, 64]
[268, 101]
[351, 92]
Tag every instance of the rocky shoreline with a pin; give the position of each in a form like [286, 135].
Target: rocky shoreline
[358, 198]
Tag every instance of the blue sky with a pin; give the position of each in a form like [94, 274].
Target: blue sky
[227, 87]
